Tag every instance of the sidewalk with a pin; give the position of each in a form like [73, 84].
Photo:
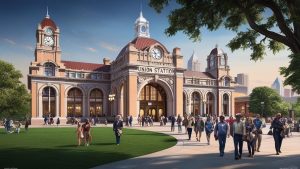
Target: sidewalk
[196, 155]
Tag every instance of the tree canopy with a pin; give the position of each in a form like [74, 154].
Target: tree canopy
[14, 98]
[272, 24]
[267, 102]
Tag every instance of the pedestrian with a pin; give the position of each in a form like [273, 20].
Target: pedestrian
[5, 125]
[230, 122]
[18, 127]
[143, 121]
[278, 132]
[238, 133]
[79, 134]
[220, 133]
[190, 125]
[86, 127]
[199, 127]
[57, 121]
[26, 125]
[130, 121]
[179, 123]
[173, 123]
[250, 137]
[185, 123]
[258, 125]
[209, 128]
[117, 128]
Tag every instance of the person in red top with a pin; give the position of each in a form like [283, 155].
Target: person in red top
[230, 121]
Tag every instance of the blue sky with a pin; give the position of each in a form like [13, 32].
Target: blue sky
[93, 29]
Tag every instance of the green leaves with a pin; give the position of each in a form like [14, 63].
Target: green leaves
[14, 98]
[292, 72]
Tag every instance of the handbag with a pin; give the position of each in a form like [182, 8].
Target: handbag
[119, 131]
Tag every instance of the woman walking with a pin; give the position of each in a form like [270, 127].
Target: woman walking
[277, 127]
[209, 128]
[179, 123]
[79, 134]
[87, 132]
[190, 124]
[250, 138]
[199, 127]
[117, 128]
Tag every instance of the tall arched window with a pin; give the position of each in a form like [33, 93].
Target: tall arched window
[195, 104]
[227, 81]
[210, 101]
[74, 104]
[49, 102]
[96, 103]
[49, 69]
[226, 104]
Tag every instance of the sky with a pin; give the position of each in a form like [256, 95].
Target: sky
[94, 29]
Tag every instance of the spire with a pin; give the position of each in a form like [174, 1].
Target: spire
[217, 46]
[47, 14]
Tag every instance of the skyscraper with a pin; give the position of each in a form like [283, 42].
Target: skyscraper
[278, 86]
[194, 63]
[242, 83]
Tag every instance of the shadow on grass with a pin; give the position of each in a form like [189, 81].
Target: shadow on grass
[78, 157]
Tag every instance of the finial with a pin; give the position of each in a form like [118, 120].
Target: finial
[47, 15]
[141, 9]
[217, 46]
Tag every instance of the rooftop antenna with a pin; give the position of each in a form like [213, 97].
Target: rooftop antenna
[141, 8]
[47, 15]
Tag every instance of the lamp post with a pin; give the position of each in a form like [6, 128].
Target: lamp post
[111, 98]
[262, 108]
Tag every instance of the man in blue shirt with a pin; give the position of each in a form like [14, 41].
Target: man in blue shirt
[258, 125]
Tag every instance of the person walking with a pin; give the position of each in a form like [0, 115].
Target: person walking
[199, 127]
[250, 137]
[26, 125]
[238, 133]
[57, 121]
[258, 125]
[173, 119]
[185, 123]
[190, 125]
[117, 128]
[278, 129]
[179, 123]
[130, 120]
[87, 132]
[209, 128]
[220, 133]
[79, 133]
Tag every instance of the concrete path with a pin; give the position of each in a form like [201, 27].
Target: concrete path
[197, 155]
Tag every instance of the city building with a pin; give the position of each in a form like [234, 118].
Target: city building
[278, 86]
[242, 84]
[287, 92]
[144, 79]
[194, 63]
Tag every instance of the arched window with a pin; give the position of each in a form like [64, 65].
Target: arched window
[226, 104]
[210, 101]
[96, 103]
[49, 69]
[49, 102]
[227, 81]
[184, 104]
[195, 103]
[74, 104]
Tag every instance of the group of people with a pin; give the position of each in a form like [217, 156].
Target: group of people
[49, 120]
[10, 126]
[145, 120]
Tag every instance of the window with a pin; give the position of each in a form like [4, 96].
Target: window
[49, 69]
[226, 81]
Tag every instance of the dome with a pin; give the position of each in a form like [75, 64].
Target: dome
[141, 18]
[216, 51]
[48, 22]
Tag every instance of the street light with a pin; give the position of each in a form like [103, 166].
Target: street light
[111, 98]
[262, 108]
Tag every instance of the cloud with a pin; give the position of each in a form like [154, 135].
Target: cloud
[28, 47]
[91, 49]
[109, 47]
[9, 41]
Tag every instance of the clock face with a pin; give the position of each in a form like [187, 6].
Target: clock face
[156, 53]
[48, 41]
[143, 28]
[49, 31]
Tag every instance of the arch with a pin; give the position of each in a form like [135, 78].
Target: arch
[225, 105]
[96, 102]
[184, 111]
[40, 99]
[49, 69]
[49, 101]
[210, 103]
[74, 102]
[195, 103]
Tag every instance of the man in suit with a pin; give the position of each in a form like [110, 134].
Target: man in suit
[117, 128]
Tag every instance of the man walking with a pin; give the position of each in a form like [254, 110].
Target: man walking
[258, 125]
[278, 128]
[238, 133]
[221, 131]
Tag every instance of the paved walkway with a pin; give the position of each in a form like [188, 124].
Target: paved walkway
[197, 155]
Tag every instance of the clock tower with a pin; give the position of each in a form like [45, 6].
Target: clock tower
[142, 27]
[47, 42]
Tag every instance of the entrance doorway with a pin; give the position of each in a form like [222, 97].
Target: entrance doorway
[153, 101]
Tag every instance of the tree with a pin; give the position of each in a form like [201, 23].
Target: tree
[267, 101]
[272, 24]
[14, 98]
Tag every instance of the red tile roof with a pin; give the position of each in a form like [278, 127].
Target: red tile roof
[86, 66]
[189, 73]
[48, 22]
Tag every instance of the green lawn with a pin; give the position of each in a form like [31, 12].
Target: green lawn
[56, 147]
